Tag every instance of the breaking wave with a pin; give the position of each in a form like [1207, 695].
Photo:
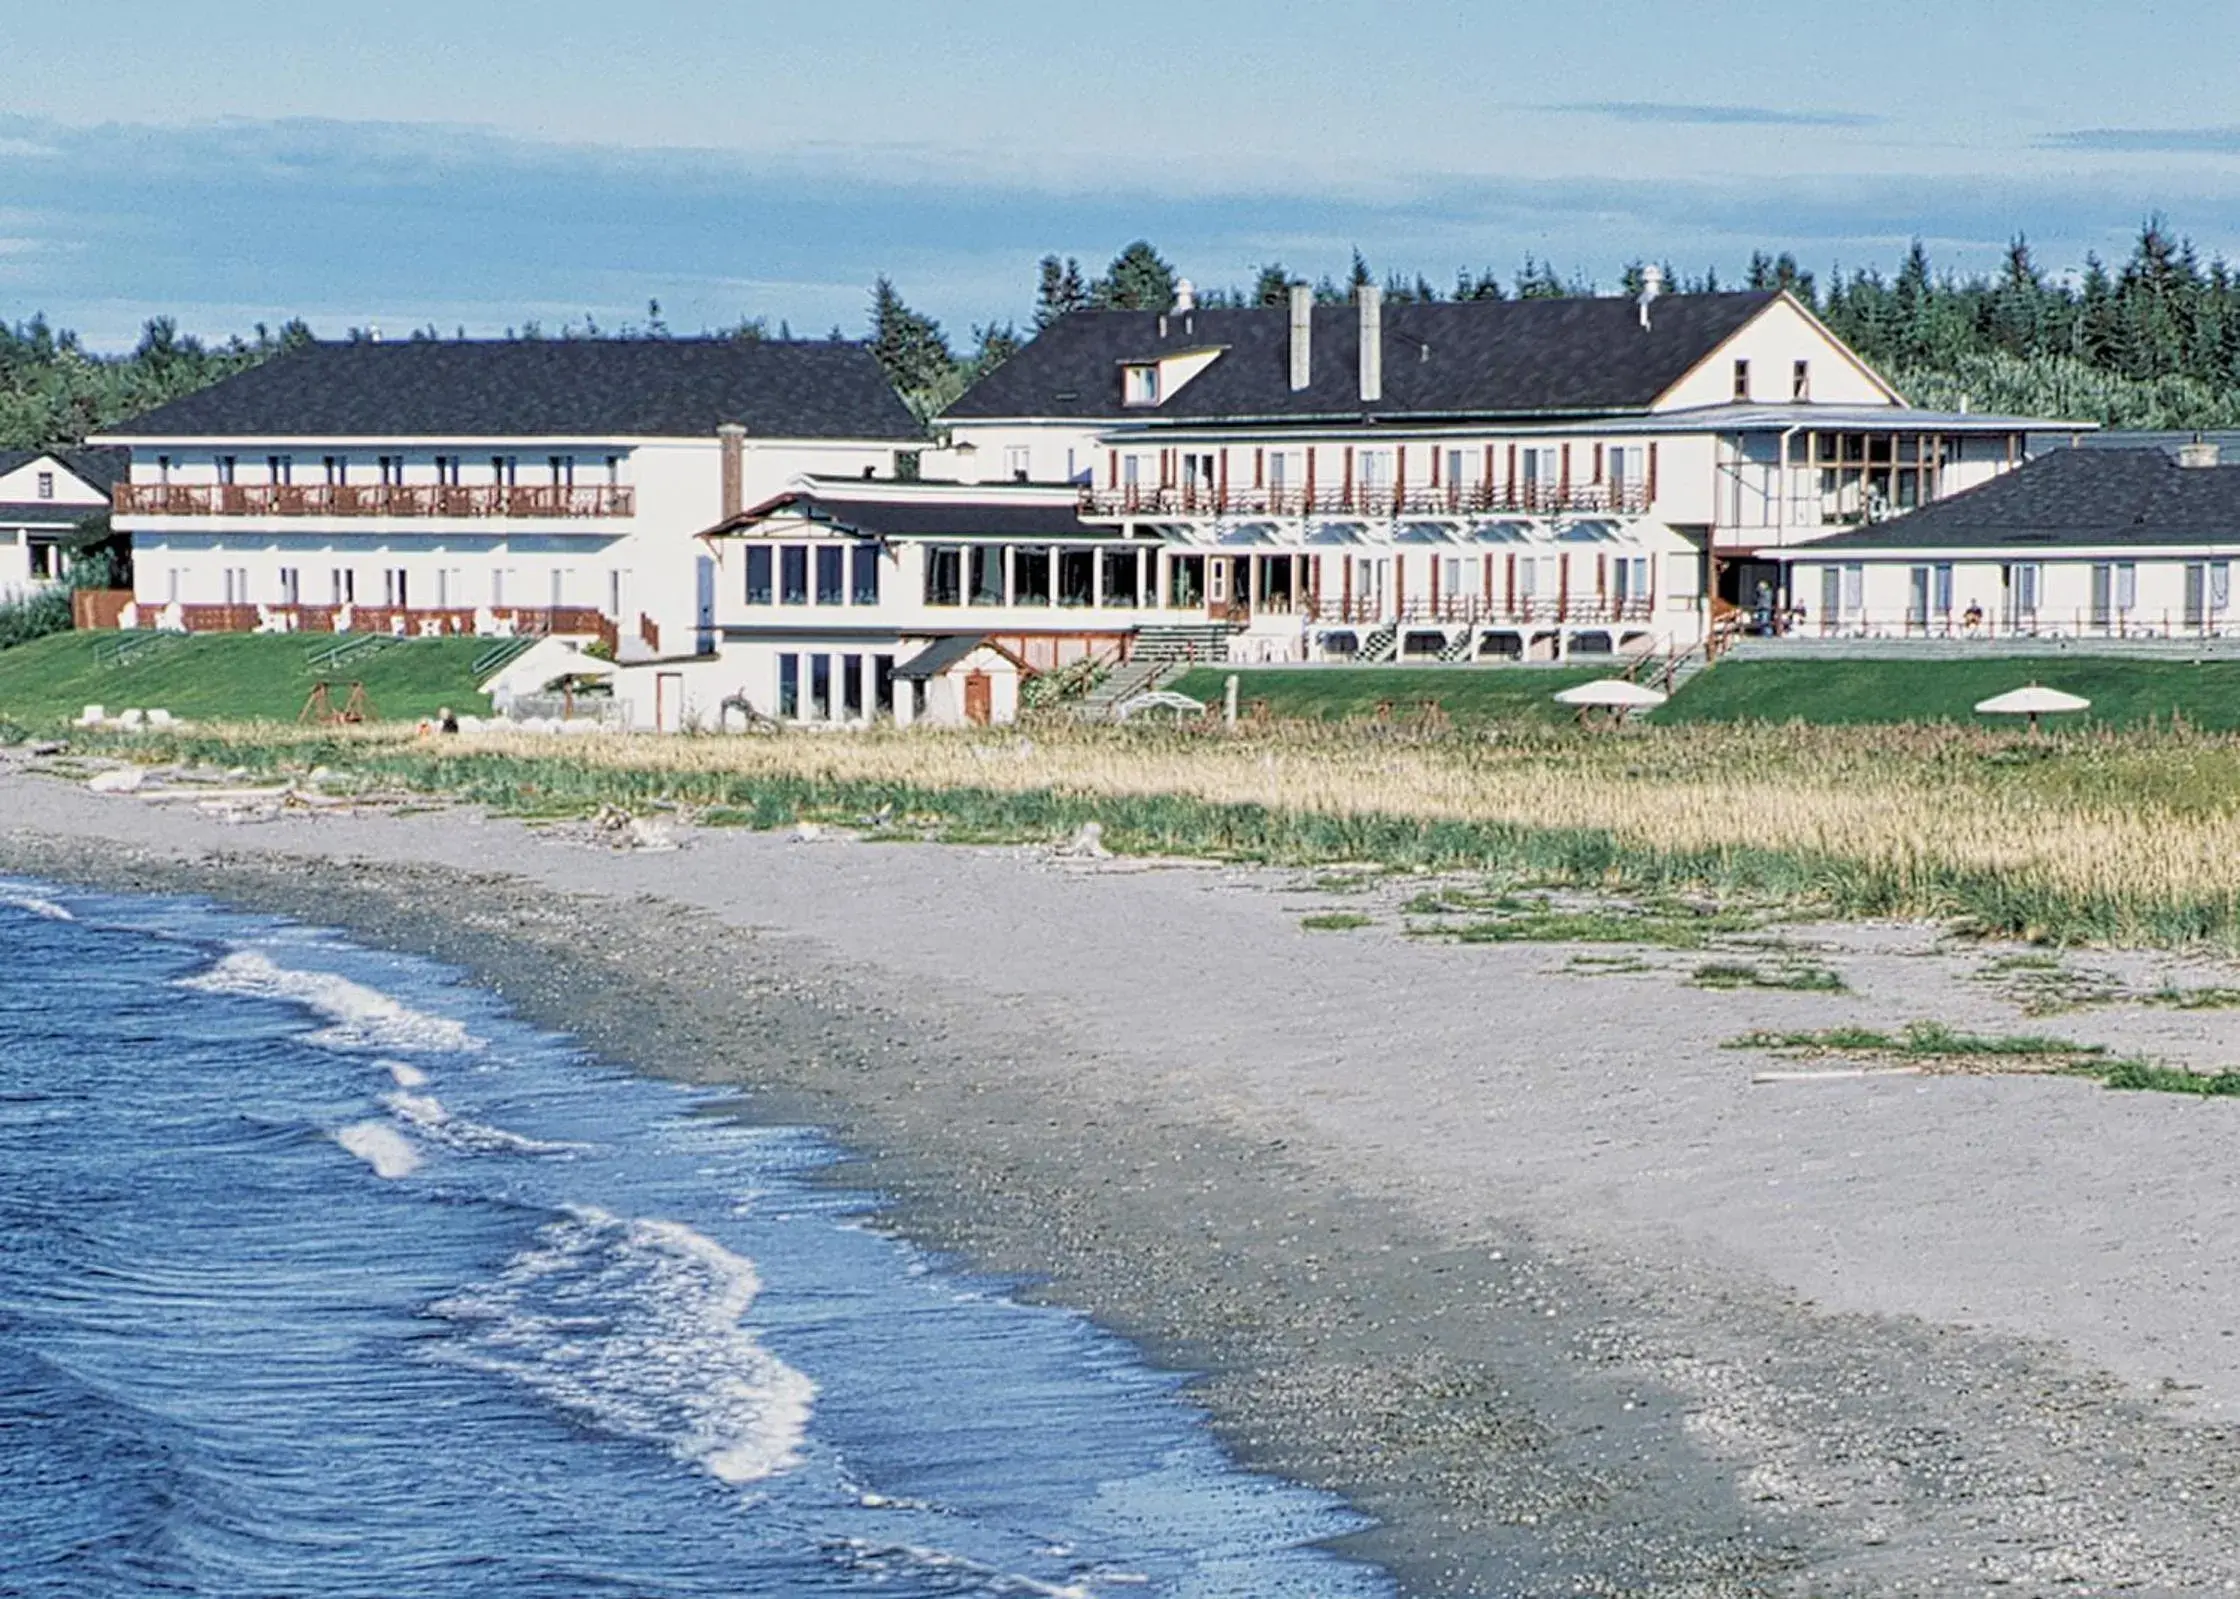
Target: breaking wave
[358, 1017]
[634, 1326]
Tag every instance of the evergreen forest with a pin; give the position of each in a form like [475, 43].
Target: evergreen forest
[2150, 342]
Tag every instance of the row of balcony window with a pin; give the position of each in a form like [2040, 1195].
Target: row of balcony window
[397, 471]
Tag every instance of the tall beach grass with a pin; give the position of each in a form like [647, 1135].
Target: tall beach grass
[2109, 837]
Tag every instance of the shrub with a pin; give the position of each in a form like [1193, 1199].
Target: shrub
[34, 616]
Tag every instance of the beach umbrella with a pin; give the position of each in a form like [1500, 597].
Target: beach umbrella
[1612, 694]
[2032, 701]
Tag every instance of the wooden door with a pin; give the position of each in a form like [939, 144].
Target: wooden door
[978, 698]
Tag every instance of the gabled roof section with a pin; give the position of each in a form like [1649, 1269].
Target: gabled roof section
[2068, 499]
[1504, 358]
[942, 654]
[546, 388]
[868, 509]
[94, 467]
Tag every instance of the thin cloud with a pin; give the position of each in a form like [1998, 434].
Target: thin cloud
[2147, 141]
[1667, 113]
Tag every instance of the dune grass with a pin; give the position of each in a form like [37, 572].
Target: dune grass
[2111, 838]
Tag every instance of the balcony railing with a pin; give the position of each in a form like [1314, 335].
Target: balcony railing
[515, 621]
[371, 499]
[1523, 499]
[1474, 610]
[2047, 622]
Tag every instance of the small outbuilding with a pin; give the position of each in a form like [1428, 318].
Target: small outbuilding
[959, 681]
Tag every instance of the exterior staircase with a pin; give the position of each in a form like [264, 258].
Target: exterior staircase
[1382, 643]
[1185, 643]
[1124, 683]
[1458, 648]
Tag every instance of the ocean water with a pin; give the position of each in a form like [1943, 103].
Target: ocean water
[322, 1275]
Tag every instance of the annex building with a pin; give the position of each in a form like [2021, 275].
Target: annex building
[44, 495]
[2084, 543]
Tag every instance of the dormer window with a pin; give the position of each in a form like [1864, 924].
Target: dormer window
[1140, 383]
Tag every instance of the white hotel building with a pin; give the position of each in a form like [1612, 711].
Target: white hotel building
[1472, 481]
[1469, 481]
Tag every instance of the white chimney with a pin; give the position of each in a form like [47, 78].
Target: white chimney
[1302, 336]
[1372, 342]
[1652, 285]
[1185, 296]
[2201, 452]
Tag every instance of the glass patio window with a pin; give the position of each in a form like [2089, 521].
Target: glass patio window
[793, 574]
[864, 562]
[944, 574]
[831, 574]
[759, 565]
[987, 574]
[1030, 574]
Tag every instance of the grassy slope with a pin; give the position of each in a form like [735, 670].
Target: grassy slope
[231, 677]
[2123, 693]
[1466, 693]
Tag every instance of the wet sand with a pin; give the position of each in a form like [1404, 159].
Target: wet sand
[1519, 1259]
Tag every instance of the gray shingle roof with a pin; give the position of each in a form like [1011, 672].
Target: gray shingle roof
[2070, 498]
[940, 655]
[546, 388]
[1456, 358]
[904, 515]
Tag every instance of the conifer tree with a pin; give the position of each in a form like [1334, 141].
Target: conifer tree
[1138, 280]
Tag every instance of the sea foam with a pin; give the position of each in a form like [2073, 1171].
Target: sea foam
[430, 1116]
[382, 1147]
[358, 1017]
[37, 906]
[634, 1326]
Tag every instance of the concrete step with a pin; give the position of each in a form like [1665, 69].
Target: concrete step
[1138, 676]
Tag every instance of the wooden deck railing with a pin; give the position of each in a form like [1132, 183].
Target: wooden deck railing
[370, 499]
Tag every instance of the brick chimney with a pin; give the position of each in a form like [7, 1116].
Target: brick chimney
[1302, 336]
[1372, 342]
[733, 440]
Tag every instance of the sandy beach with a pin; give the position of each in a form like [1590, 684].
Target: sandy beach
[1516, 1255]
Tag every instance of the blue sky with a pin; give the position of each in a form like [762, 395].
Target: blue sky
[231, 161]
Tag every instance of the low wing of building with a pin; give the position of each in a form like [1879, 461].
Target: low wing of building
[44, 496]
[830, 591]
[2104, 542]
[440, 486]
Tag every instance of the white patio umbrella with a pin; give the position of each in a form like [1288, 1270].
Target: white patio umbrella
[1612, 694]
[2032, 701]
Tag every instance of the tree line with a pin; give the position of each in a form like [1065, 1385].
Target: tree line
[2150, 342]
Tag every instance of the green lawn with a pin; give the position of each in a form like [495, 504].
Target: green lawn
[2123, 692]
[233, 676]
[1333, 693]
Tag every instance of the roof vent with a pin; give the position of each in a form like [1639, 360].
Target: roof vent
[2199, 453]
[1652, 285]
